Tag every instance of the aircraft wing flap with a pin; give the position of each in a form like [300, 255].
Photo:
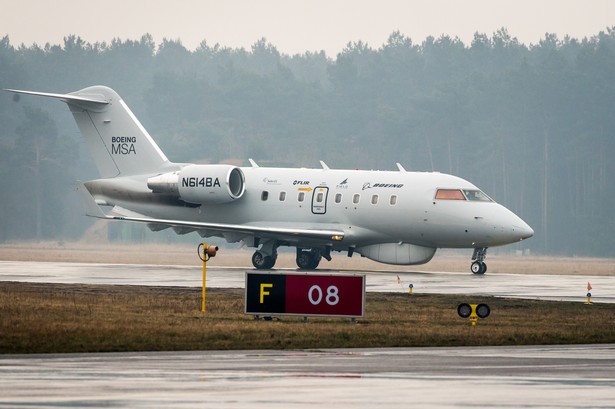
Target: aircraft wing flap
[241, 229]
[218, 229]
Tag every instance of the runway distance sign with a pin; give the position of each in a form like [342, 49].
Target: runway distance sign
[305, 294]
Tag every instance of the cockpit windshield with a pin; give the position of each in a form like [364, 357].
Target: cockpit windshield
[450, 194]
[465, 194]
[477, 196]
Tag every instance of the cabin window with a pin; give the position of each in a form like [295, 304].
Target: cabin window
[301, 197]
[282, 196]
[375, 199]
[355, 198]
[477, 196]
[450, 194]
[319, 197]
[393, 200]
[338, 198]
[264, 195]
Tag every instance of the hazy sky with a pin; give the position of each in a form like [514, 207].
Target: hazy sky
[297, 26]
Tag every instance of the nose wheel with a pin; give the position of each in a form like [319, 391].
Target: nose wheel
[478, 266]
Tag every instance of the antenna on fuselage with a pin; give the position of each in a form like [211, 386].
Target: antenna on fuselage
[254, 164]
[400, 167]
[324, 165]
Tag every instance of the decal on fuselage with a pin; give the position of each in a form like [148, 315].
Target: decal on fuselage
[200, 182]
[123, 145]
[343, 184]
[368, 185]
[269, 181]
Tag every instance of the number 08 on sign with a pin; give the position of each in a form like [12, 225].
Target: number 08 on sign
[305, 294]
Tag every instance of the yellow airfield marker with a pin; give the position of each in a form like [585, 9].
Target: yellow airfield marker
[208, 252]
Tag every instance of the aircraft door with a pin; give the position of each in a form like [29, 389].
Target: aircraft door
[319, 200]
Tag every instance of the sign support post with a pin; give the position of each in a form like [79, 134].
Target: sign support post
[208, 252]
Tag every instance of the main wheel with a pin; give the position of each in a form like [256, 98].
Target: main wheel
[304, 260]
[308, 260]
[262, 262]
[315, 260]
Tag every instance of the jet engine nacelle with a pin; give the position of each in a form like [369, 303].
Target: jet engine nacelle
[397, 253]
[201, 184]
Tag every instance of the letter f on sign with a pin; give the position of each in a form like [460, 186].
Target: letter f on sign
[263, 292]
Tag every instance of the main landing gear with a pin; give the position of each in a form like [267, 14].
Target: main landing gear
[265, 258]
[307, 259]
[263, 262]
[478, 266]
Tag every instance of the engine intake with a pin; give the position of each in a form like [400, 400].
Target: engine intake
[201, 184]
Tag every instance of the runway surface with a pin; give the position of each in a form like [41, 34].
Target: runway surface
[545, 287]
[529, 377]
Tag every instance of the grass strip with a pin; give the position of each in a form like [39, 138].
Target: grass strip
[54, 318]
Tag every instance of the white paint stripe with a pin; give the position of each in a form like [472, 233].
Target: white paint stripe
[144, 132]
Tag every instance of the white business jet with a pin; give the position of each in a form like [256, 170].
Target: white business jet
[391, 217]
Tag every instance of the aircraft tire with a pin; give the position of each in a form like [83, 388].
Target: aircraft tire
[304, 261]
[262, 262]
[478, 268]
[308, 260]
[315, 260]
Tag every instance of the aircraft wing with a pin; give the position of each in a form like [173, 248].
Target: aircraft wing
[236, 231]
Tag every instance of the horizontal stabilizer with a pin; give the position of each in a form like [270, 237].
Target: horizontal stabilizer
[68, 98]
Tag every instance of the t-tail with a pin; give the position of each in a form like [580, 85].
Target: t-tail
[118, 142]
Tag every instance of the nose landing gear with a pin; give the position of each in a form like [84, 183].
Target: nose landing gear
[478, 266]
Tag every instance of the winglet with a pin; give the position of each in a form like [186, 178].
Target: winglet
[91, 208]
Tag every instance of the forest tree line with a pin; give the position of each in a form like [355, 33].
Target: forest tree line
[530, 125]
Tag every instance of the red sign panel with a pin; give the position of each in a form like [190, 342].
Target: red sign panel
[324, 295]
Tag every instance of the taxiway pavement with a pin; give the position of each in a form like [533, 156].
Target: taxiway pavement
[529, 377]
[544, 287]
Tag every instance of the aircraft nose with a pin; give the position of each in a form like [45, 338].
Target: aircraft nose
[512, 228]
[523, 230]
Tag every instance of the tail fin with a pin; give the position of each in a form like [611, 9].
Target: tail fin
[116, 139]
